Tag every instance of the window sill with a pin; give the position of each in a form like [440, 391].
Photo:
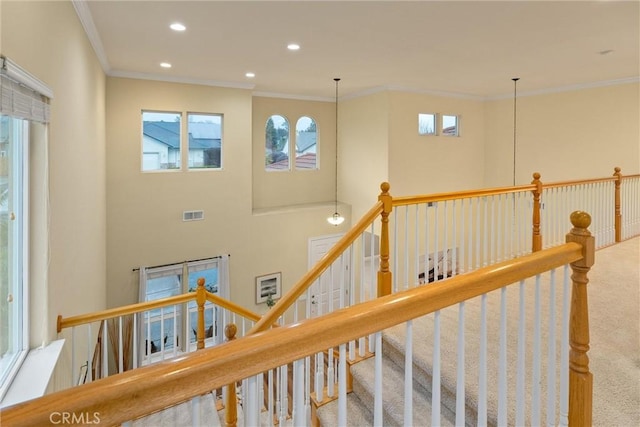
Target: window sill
[34, 375]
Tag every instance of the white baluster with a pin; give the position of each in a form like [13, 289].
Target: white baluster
[342, 387]
[520, 373]
[299, 413]
[135, 341]
[406, 251]
[105, 354]
[121, 356]
[551, 353]
[537, 350]
[284, 384]
[435, 242]
[408, 376]
[319, 386]
[307, 390]
[377, 404]
[460, 380]
[435, 387]
[564, 350]
[502, 360]
[195, 411]
[482, 368]
[250, 407]
[270, 400]
[89, 358]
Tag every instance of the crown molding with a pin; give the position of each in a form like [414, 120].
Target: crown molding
[84, 14]
[293, 97]
[178, 79]
[569, 88]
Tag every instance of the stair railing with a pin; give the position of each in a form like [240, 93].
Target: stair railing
[427, 238]
[115, 348]
[134, 393]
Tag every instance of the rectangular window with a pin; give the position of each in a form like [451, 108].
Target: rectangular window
[450, 126]
[426, 124]
[306, 144]
[160, 140]
[14, 196]
[205, 141]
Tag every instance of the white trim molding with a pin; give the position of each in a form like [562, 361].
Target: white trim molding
[84, 14]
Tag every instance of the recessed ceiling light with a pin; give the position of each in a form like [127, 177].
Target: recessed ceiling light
[250, 75]
[176, 26]
[165, 65]
[293, 46]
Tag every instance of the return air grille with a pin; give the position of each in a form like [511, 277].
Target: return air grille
[192, 215]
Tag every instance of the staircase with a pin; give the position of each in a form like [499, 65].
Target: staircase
[360, 402]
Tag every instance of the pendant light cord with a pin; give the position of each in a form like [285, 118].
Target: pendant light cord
[336, 190]
[515, 92]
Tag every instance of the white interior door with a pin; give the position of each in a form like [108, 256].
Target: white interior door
[332, 290]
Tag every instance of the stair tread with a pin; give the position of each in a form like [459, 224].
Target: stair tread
[358, 414]
[393, 393]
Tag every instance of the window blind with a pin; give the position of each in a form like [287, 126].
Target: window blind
[22, 94]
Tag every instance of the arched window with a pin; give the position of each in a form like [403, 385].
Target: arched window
[276, 143]
[306, 144]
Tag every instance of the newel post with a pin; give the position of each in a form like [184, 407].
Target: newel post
[618, 214]
[231, 412]
[384, 275]
[580, 378]
[536, 241]
[201, 299]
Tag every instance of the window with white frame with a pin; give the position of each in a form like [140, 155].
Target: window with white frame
[24, 104]
[306, 144]
[205, 141]
[165, 332]
[277, 144]
[161, 140]
[426, 124]
[450, 125]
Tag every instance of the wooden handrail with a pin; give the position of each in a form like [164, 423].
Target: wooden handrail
[299, 288]
[465, 194]
[235, 308]
[67, 322]
[122, 311]
[141, 391]
[577, 182]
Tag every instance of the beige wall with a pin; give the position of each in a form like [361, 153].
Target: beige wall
[294, 187]
[47, 39]
[144, 213]
[565, 135]
[421, 164]
[363, 150]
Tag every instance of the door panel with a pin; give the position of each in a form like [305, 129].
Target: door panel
[326, 293]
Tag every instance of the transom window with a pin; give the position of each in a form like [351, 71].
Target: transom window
[426, 124]
[450, 125]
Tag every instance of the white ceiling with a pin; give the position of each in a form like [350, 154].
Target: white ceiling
[471, 48]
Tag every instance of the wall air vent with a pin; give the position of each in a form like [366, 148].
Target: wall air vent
[192, 215]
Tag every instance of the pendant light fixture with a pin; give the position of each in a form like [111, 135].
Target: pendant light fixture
[336, 219]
